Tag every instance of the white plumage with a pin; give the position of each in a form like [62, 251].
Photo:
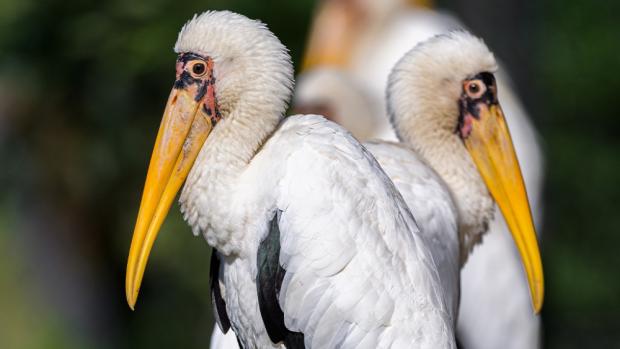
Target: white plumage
[342, 245]
[435, 172]
[219, 340]
[357, 272]
[429, 197]
[487, 318]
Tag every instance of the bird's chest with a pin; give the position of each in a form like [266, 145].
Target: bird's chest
[212, 209]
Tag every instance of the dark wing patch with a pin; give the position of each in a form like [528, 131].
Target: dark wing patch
[219, 306]
[268, 283]
[458, 344]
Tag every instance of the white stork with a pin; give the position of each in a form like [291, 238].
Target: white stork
[352, 48]
[315, 246]
[442, 99]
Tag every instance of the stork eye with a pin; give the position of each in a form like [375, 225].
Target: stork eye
[475, 88]
[199, 69]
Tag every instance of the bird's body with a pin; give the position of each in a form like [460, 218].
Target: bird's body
[428, 196]
[304, 171]
[440, 174]
[375, 42]
[315, 246]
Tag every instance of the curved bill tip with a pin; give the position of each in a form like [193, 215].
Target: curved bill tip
[132, 304]
[538, 297]
[131, 296]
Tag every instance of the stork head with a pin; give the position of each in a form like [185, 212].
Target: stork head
[225, 62]
[442, 99]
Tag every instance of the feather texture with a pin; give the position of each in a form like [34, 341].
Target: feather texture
[357, 272]
[269, 283]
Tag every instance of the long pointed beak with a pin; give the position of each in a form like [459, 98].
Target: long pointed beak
[493, 153]
[183, 130]
[332, 35]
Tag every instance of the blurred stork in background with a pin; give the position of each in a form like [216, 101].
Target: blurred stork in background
[352, 46]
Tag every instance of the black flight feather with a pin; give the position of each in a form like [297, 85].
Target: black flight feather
[268, 283]
[219, 306]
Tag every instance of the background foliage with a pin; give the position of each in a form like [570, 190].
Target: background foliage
[82, 87]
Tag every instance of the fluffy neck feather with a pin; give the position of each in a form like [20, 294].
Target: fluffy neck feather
[253, 74]
[423, 92]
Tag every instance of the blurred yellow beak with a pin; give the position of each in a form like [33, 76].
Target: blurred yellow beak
[422, 3]
[183, 130]
[491, 148]
[332, 35]
[336, 28]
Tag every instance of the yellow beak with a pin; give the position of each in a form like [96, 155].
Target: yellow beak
[422, 3]
[332, 35]
[337, 27]
[491, 148]
[183, 130]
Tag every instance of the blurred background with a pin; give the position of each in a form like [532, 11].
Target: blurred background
[82, 89]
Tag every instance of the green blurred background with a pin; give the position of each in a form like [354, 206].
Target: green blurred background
[82, 87]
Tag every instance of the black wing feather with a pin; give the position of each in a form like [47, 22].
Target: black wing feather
[268, 283]
[219, 306]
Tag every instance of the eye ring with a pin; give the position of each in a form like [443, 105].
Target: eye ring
[475, 88]
[198, 69]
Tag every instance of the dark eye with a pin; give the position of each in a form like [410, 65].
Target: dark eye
[475, 88]
[198, 68]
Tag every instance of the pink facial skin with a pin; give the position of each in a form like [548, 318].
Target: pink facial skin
[468, 125]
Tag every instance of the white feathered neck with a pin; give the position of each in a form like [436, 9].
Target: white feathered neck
[423, 94]
[254, 80]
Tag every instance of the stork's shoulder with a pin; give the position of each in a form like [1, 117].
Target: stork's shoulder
[404, 165]
[312, 150]
[312, 138]
[301, 130]
[424, 191]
